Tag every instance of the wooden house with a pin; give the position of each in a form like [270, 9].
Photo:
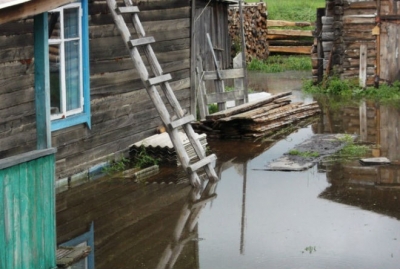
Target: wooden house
[71, 100]
[358, 39]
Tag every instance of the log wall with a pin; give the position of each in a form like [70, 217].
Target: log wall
[349, 24]
[121, 111]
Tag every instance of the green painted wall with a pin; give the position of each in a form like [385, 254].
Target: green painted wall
[27, 224]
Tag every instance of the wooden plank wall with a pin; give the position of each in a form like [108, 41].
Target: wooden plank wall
[212, 19]
[17, 108]
[27, 221]
[132, 224]
[389, 132]
[122, 113]
[389, 44]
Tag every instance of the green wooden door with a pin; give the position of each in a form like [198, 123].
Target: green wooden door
[27, 200]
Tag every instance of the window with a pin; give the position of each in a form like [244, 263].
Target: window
[69, 65]
[86, 239]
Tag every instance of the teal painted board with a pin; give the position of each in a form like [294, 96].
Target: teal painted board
[27, 227]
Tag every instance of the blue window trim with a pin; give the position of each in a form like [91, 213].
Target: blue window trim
[83, 117]
[87, 237]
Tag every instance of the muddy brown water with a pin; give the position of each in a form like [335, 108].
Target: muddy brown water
[330, 216]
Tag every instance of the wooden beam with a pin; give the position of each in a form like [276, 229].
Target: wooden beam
[224, 74]
[31, 8]
[291, 49]
[42, 82]
[306, 33]
[280, 23]
[363, 65]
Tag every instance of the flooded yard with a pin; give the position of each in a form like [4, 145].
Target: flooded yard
[330, 216]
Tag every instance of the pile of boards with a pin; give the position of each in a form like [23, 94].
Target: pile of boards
[256, 119]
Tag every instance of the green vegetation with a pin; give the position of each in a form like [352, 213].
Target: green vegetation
[293, 10]
[351, 150]
[143, 160]
[345, 92]
[305, 154]
[115, 166]
[279, 63]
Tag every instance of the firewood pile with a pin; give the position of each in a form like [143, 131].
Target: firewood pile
[255, 30]
[256, 119]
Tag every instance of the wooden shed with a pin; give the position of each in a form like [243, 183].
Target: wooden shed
[71, 100]
[358, 39]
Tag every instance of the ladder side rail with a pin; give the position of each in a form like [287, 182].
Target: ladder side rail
[165, 86]
[126, 36]
[152, 91]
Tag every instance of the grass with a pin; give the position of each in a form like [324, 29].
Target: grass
[292, 10]
[115, 166]
[339, 92]
[279, 63]
[144, 160]
[351, 150]
[305, 154]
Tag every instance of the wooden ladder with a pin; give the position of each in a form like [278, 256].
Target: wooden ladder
[160, 79]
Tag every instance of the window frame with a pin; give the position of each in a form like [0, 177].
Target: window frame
[87, 238]
[84, 115]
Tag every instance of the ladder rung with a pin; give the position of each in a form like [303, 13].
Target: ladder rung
[159, 79]
[124, 10]
[141, 41]
[203, 162]
[182, 121]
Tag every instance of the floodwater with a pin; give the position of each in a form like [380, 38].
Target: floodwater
[330, 216]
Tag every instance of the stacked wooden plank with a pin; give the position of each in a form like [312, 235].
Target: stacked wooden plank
[160, 147]
[281, 39]
[258, 118]
[255, 30]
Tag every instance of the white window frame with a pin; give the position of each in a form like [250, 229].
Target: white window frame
[61, 43]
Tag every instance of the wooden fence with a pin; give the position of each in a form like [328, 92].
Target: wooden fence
[288, 40]
[27, 222]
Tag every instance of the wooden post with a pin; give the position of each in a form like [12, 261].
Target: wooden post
[243, 40]
[363, 121]
[193, 77]
[201, 90]
[363, 65]
[42, 82]
[238, 82]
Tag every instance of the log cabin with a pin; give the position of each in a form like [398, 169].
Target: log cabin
[358, 39]
[71, 100]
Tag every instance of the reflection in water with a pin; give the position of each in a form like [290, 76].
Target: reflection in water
[136, 226]
[345, 218]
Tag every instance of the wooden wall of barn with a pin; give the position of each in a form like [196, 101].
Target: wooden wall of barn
[121, 111]
[212, 19]
[132, 225]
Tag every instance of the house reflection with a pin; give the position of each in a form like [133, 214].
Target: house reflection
[375, 188]
[135, 225]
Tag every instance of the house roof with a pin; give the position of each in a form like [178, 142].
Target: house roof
[28, 8]
[8, 3]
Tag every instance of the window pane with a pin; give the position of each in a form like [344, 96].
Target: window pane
[71, 23]
[55, 79]
[72, 74]
[54, 25]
